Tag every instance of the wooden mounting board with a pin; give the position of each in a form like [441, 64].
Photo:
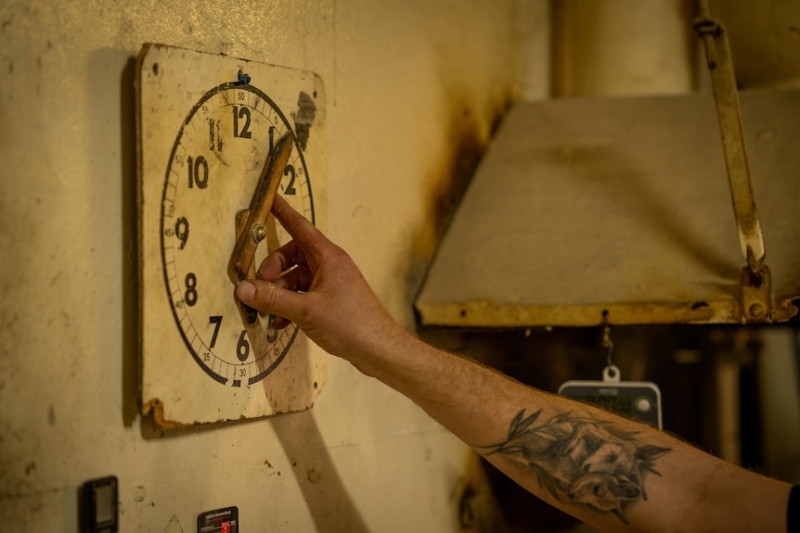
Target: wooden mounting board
[205, 132]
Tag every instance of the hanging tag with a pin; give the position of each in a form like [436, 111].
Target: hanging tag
[640, 400]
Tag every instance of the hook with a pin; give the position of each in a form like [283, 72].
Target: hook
[607, 338]
[244, 79]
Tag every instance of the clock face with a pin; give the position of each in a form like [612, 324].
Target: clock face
[212, 172]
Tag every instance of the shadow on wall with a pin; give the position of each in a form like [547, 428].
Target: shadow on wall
[328, 501]
[114, 113]
[129, 249]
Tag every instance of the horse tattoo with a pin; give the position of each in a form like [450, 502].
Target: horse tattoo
[591, 462]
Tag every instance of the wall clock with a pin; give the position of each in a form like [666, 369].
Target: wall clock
[213, 133]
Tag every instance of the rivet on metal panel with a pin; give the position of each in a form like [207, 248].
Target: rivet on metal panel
[607, 339]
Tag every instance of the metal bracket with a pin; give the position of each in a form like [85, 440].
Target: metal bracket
[756, 301]
[756, 291]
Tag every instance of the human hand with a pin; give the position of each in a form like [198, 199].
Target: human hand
[312, 282]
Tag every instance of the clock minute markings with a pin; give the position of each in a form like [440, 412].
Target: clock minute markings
[172, 187]
[193, 174]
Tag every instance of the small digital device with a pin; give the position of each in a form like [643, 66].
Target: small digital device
[640, 400]
[98, 506]
[224, 520]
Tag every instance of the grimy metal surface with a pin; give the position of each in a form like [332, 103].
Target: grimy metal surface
[622, 205]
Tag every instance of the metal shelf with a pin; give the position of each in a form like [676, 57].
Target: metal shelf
[622, 205]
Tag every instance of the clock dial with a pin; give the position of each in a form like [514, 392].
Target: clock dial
[213, 169]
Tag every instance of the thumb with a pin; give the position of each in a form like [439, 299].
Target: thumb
[268, 298]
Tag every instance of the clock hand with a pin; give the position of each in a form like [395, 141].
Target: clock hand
[252, 231]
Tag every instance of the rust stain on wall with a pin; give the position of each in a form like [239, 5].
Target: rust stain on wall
[468, 137]
[467, 146]
[468, 134]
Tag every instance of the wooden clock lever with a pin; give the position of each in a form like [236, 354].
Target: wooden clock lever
[252, 232]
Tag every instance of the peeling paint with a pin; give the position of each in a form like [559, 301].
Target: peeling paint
[155, 407]
[304, 118]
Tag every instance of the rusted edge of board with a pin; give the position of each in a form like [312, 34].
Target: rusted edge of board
[489, 314]
[156, 407]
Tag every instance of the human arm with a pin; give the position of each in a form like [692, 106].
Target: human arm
[603, 469]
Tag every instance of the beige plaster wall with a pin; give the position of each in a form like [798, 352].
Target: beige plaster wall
[413, 88]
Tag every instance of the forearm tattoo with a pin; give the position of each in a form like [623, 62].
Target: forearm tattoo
[590, 462]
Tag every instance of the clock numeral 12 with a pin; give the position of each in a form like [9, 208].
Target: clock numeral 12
[242, 112]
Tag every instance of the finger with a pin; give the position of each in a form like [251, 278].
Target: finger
[268, 298]
[297, 279]
[297, 225]
[281, 260]
[278, 322]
